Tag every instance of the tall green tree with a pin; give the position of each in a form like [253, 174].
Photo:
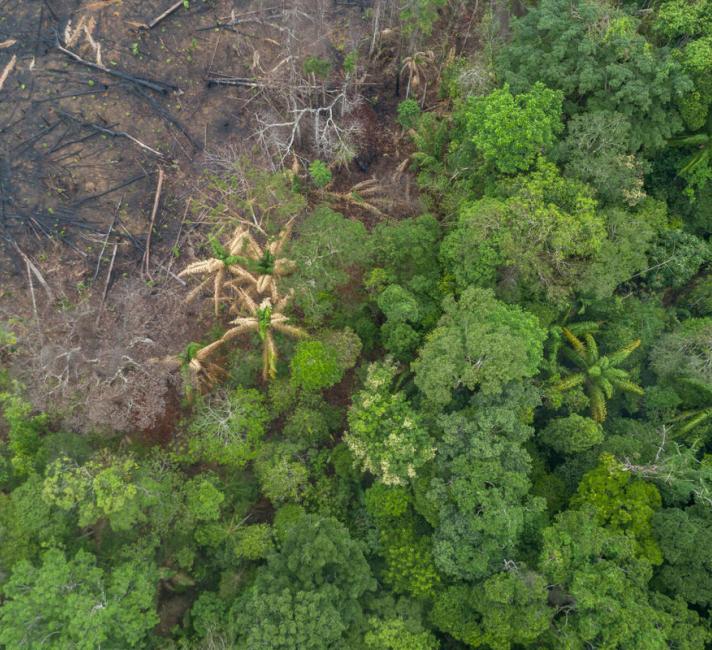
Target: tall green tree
[599, 588]
[511, 131]
[73, 603]
[479, 343]
[480, 491]
[532, 237]
[595, 53]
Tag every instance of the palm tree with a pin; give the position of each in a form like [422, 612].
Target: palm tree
[416, 66]
[263, 318]
[689, 420]
[598, 374]
[367, 195]
[696, 167]
[197, 371]
[246, 261]
[224, 260]
[263, 265]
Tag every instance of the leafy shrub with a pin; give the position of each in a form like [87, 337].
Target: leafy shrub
[320, 173]
[408, 113]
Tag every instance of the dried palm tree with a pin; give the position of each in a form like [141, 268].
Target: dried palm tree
[367, 195]
[266, 264]
[225, 260]
[263, 318]
[246, 262]
[197, 371]
[416, 66]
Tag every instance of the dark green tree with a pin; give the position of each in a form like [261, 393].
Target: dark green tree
[309, 594]
[480, 491]
[595, 54]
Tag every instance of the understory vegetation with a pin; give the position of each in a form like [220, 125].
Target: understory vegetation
[485, 424]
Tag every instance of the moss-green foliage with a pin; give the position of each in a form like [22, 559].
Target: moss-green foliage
[419, 16]
[327, 249]
[511, 132]
[506, 610]
[315, 366]
[25, 429]
[405, 281]
[597, 574]
[572, 434]
[622, 503]
[395, 634]
[320, 173]
[530, 236]
[480, 342]
[254, 542]
[480, 491]
[228, 429]
[408, 113]
[317, 66]
[281, 473]
[682, 536]
[71, 602]
[309, 594]
[591, 52]
[675, 258]
[108, 487]
[404, 543]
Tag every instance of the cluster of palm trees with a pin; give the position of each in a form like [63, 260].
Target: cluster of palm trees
[243, 276]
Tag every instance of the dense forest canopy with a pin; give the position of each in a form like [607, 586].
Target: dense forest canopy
[462, 402]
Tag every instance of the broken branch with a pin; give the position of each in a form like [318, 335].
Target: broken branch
[156, 202]
[158, 86]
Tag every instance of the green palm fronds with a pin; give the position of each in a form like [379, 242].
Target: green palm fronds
[599, 375]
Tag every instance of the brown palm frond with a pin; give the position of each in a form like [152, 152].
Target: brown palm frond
[202, 266]
[291, 330]
[195, 292]
[205, 375]
[218, 285]
[241, 321]
[277, 246]
[248, 302]
[263, 284]
[241, 328]
[283, 266]
[244, 274]
[368, 195]
[206, 351]
[281, 303]
[236, 244]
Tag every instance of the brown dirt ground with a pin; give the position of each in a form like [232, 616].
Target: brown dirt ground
[71, 195]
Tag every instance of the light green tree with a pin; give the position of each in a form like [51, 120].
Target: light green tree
[72, 603]
[386, 435]
[532, 237]
[512, 131]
